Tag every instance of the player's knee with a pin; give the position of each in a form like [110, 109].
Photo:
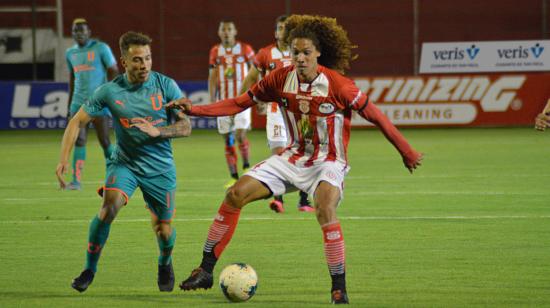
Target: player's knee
[235, 197]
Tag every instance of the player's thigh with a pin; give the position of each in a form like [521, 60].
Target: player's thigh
[121, 179]
[276, 174]
[159, 194]
[332, 173]
[243, 119]
[225, 125]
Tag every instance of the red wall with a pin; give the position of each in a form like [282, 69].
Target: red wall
[183, 31]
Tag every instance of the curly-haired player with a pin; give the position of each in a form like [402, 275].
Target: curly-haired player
[316, 102]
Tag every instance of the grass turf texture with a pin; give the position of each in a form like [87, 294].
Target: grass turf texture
[470, 228]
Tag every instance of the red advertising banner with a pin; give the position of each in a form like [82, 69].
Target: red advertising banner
[454, 100]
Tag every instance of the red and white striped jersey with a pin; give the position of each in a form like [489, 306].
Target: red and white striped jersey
[232, 65]
[317, 115]
[269, 58]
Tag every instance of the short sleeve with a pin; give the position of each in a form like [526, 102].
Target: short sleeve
[260, 61]
[172, 91]
[212, 57]
[107, 56]
[69, 64]
[95, 104]
[249, 52]
[351, 96]
[267, 90]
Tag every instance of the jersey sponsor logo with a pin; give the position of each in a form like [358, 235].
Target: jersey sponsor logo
[121, 103]
[333, 235]
[326, 108]
[83, 68]
[298, 96]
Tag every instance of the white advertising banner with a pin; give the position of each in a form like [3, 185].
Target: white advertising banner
[16, 45]
[493, 56]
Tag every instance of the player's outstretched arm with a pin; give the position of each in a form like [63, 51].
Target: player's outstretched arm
[81, 119]
[181, 128]
[542, 121]
[411, 158]
[226, 107]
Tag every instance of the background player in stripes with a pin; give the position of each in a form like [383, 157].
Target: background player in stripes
[143, 156]
[269, 58]
[91, 63]
[317, 103]
[229, 64]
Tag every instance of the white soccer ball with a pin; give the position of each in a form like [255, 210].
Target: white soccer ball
[238, 282]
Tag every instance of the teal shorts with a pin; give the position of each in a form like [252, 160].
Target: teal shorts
[158, 191]
[75, 107]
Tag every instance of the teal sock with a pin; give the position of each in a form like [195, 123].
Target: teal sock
[97, 236]
[79, 156]
[165, 247]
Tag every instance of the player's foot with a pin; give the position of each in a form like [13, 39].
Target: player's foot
[73, 186]
[199, 279]
[100, 191]
[339, 297]
[230, 183]
[276, 206]
[305, 206]
[82, 282]
[166, 278]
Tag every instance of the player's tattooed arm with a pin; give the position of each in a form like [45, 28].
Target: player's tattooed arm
[181, 128]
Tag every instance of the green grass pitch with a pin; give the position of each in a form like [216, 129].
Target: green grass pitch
[470, 228]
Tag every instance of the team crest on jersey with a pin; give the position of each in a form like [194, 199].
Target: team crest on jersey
[228, 60]
[272, 65]
[326, 108]
[303, 106]
[240, 59]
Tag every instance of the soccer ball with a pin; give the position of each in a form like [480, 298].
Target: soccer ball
[238, 282]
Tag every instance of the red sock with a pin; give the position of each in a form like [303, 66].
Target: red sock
[244, 148]
[334, 248]
[231, 158]
[221, 230]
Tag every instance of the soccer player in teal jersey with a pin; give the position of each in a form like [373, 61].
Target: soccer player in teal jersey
[143, 155]
[91, 63]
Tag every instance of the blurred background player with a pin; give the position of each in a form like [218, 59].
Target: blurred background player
[317, 103]
[143, 156]
[271, 57]
[91, 63]
[230, 61]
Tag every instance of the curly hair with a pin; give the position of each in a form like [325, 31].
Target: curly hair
[328, 37]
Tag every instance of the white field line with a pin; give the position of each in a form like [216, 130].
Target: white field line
[259, 218]
[185, 180]
[92, 195]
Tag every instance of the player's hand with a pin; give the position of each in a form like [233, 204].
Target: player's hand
[412, 160]
[60, 172]
[542, 121]
[184, 104]
[146, 127]
[261, 108]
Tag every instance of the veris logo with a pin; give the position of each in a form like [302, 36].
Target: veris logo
[537, 50]
[456, 53]
[472, 52]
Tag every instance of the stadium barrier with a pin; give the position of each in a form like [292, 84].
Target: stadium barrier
[424, 101]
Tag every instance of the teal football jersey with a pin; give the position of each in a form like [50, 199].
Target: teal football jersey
[88, 64]
[143, 154]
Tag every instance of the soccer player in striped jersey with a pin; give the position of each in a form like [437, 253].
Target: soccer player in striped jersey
[269, 58]
[143, 156]
[230, 61]
[91, 63]
[317, 102]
